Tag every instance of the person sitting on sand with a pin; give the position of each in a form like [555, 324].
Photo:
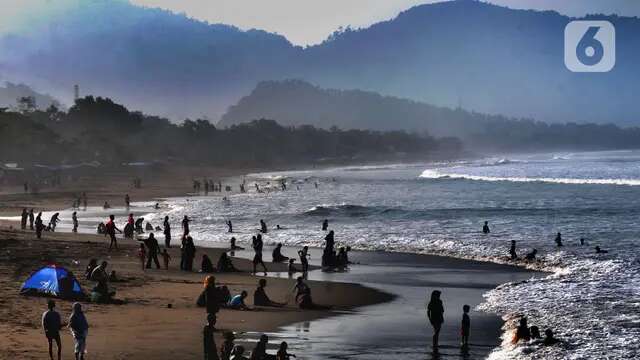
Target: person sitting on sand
[225, 264]
[238, 353]
[512, 251]
[600, 251]
[535, 332]
[237, 302]
[148, 227]
[227, 346]
[549, 339]
[233, 246]
[303, 297]
[51, 324]
[93, 264]
[435, 313]
[210, 351]
[485, 228]
[522, 332]
[559, 239]
[282, 352]
[532, 255]
[260, 297]
[207, 266]
[277, 254]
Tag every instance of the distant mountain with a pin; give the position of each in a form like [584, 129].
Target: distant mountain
[464, 53]
[296, 102]
[11, 92]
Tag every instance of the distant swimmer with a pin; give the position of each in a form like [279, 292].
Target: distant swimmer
[485, 228]
[581, 241]
[532, 255]
[512, 250]
[600, 251]
[559, 239]
[325, 225]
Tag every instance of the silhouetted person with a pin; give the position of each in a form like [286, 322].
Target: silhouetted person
[304, 259]
[522, 332]
[185, 225]
[229, 226]
[549, 339]
[582, 241]
[485, 228]
[260, 351]
[210, 351]
[74, 219]
[152, 251]
[127, 201]
[167, 232]
[225, 264]
[559, 239]
[23, 219]
[328, 255]
[282, 353]
[600, 251]
[211, 297]
[53, 222]
[206, 265]
[257, 258]
[466, 326]
[79, 329]
[233, 246]
[110, 229]
[435, 312]
[512, 250]
[260, 297]
[51, 324]
[39, 225]
[277, 254]
[190, 253]
[325, 225]
[535, 332]
[532, 255]
[263, 227]
[31, 219]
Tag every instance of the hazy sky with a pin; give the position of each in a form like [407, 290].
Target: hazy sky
[306, 22]
[303, 22]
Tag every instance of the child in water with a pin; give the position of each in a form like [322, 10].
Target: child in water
[466, 325]
[142, 255]
[166, 257]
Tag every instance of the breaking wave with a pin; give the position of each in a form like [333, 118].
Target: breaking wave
[437, 174]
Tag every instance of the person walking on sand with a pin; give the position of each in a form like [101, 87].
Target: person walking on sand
[152, 251]
[435, 312]
[210, 351]
[51, 324]
[53, 222]
[257, 258]
[31, 219]
[79, 329]
[39, 225]
[111, 229]
[23, 219]
[74, 219]
[466, 326]
[167, 232]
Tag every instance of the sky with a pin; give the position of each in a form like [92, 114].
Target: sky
[307, 22]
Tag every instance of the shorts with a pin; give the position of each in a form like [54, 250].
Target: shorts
[52, 335]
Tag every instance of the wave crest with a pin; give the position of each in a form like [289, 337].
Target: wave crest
[437, 174]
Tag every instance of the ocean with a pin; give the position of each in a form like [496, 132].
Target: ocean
[592, 301]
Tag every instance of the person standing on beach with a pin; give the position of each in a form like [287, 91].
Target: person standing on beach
[210, 351]
[79, 329]
[257, 258]
[31, 219]
[152, 251]
[74, 219]
[39, 225]
[190, 253]
[167, 232]
[466, 326]
[111, 229]
[51, 323]
[512, 250]
[485, 228]
[23, 219]
[435, 312]
[185, 225]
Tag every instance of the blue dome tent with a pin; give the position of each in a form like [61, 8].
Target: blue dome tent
[55, 281]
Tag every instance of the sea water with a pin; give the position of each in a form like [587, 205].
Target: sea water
[592, 301]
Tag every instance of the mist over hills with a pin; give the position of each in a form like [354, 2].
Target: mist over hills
[10, 92]
[483, 57]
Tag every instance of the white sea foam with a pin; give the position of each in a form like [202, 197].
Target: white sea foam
[441, 174]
